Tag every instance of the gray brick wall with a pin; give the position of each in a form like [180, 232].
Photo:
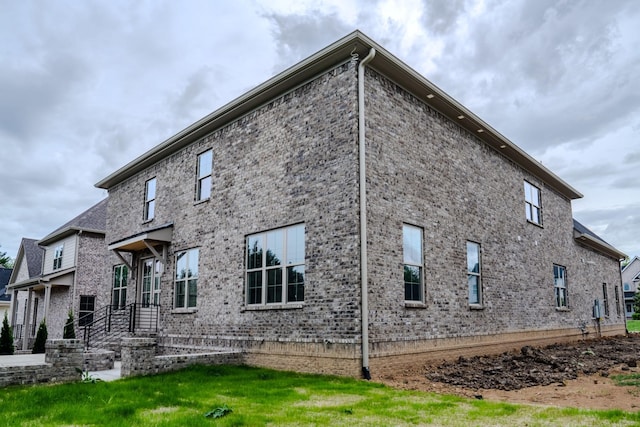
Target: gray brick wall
[295, 160]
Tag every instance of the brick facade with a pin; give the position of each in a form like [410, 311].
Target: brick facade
[294, 159]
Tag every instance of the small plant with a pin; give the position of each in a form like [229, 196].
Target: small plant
[219, 412]
[69, 331]
[86, 377]
[41, 338]
[6, 337]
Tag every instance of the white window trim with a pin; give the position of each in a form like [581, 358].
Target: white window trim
[200, 178]
[285, 265]
[531, 205]
[563, 288]
[421, 301]
[479, 303]
[149, 201]
[185, 308]
[57, 257]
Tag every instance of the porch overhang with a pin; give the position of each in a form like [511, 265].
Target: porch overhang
[154, 237]
[148, 239]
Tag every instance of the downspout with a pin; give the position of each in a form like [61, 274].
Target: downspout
[364, 275]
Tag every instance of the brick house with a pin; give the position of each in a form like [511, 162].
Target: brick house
[62, 271]
[630, 281]
[348, 216]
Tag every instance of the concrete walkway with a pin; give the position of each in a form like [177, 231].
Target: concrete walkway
[38, 359]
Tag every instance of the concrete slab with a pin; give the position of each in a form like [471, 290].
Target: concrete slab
[21, 360]
[108, 375]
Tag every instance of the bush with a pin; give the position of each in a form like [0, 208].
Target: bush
[41, 338]
[6, 337]
[635, 316]
[69, 330]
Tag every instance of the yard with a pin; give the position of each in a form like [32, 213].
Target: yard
[234, 396]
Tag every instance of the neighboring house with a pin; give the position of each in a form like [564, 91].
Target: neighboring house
[5, 298]
[348, 216]
[630, 281]
[62, 271]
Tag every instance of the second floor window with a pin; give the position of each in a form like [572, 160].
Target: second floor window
[150, 199]
[205, 165]
[57, 257]
[533, 208]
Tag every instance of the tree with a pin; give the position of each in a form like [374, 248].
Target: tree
[41, 338]
[636, 307]
[69, 331]
[6, 337]
[5, 260]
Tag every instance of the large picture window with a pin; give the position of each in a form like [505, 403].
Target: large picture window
[412, 254]
[120, 278]
[473, 273]
[186, 285]
[275, 266]
[205, 165]
[560, 286]
[533, 207]
[150, 199]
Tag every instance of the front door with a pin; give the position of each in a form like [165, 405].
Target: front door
[150, 292]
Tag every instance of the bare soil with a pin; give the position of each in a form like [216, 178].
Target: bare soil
[571, 375]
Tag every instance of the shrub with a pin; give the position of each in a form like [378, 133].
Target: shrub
[69, 331]
[41, 338]
[6, 337]
[635, 316]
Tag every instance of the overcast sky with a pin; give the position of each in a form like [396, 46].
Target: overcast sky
[87, 86]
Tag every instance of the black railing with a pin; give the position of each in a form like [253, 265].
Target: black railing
[111, 323]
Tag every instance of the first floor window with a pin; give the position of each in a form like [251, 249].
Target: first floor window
[412, 254]
[605, 299]
[560, 286]
[57, 257]
[87, 307]
[532, 203]
[617, 296]
[186, 283]
[120, 277]
[473, 273]
[275, 266]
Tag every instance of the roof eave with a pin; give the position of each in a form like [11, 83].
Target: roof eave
[341, 51]
[65, 232]
[598, 245]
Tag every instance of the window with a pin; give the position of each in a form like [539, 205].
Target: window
[532, 204]
[560, 286]
[87, 307]
[150, 293]
[473, 273]
[150, 199]
[412, 253]
[205, 162]
[605, 299]
[186, 286]
[275, 266]
[57, 257]
[627, 287]
[120, 277]
[617, 296]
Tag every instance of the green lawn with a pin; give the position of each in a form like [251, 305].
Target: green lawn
[259, 397]
[633, 325]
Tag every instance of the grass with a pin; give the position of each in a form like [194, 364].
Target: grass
[256, 397]
[633, 325]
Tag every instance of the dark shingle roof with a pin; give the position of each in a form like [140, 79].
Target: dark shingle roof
[591, 239]
[33, 254]
[93, 219]
[5, 274]
[584, 230]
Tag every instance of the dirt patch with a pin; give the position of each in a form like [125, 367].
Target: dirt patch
[575, 375]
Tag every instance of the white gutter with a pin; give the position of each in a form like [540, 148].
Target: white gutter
[364, 275]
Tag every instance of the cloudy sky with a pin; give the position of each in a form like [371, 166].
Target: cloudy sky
[87, 86]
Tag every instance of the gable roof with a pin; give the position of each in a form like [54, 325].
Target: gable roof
[588, 238]
[5, 274]
[31, 255]
[353, 46]
[92, 220]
